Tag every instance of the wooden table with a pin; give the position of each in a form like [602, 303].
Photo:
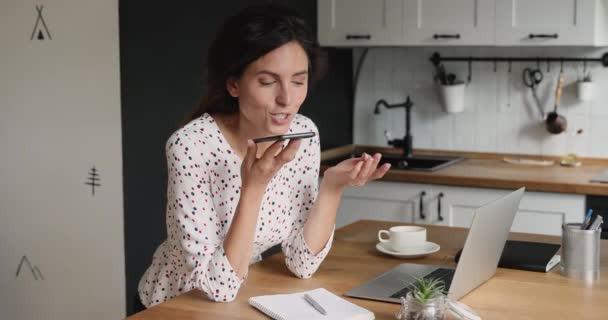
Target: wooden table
[510, 294]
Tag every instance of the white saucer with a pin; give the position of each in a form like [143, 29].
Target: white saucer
[427, 248]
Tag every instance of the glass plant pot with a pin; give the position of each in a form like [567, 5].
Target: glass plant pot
[433, 309]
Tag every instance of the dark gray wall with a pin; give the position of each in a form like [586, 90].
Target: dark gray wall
[162, 53]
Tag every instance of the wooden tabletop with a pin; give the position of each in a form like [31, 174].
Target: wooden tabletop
[489, 170]
[353, 259]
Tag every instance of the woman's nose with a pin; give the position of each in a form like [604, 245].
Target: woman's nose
[284, 96]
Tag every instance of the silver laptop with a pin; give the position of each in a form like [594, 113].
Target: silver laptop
[482, 250]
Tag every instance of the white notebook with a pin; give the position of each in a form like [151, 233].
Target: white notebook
[293, 306]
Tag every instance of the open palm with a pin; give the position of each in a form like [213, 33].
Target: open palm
[356, 171]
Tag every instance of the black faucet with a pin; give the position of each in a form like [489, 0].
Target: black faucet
[407, 141]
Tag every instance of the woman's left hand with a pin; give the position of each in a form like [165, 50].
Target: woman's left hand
[356, 171]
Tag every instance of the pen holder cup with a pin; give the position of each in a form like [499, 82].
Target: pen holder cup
[580, 252]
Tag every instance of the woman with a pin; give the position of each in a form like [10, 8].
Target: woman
[230, 199]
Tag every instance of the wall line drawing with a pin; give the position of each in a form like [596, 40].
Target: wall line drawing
[39, 20]
[93, 180]
[35, 271]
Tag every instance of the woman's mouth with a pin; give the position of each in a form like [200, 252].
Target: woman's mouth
[279, 118]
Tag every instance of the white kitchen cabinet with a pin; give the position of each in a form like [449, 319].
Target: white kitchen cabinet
[539, 212]
[548, 22]
[391, 201]
[354, 23]
[448, 22]
[359, 22]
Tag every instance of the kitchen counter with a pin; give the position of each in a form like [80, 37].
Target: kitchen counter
[489, 170]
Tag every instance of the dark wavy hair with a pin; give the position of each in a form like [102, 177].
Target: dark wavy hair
[247, 36]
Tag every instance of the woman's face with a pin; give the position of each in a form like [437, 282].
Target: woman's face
[272, 89]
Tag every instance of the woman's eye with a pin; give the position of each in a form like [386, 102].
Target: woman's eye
[298, 83]
[266, 82]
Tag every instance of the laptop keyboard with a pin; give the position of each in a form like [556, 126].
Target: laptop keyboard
[440, 273]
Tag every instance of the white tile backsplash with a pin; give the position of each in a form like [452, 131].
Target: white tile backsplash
[442, 132]
[599, 136]
[600, 97]
[486, 135]
[422, 130]
[578, 139]
[507, 136]
[463, 131]
[500, 114]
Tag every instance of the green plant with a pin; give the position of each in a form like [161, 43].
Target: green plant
[444, 78]
[424, 290]
[587, 77]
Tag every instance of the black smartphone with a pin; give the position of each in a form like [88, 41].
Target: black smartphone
[301, 135]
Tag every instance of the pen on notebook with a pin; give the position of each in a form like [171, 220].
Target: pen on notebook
[587, 219]
[315, 304]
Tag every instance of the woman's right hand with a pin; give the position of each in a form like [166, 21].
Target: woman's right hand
[257, 173]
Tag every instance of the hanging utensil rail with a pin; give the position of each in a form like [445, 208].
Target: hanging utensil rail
[436, 59]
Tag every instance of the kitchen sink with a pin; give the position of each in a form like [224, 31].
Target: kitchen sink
[416, 163]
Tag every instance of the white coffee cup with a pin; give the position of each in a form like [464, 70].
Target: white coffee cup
[403, 238]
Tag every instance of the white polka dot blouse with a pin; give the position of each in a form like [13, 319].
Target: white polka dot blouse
[202, 195]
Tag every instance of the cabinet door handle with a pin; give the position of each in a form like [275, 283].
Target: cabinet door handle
[439, 216]
[358, 36]
[446, 36]
[421, 205]
[543, 36]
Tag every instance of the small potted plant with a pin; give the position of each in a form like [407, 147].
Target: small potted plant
[426, 300]
[584, 88]
[451, 90]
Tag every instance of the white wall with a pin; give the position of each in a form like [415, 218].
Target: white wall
[59, 117]
[499, 115]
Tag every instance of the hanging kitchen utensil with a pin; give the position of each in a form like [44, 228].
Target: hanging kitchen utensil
[532, 78]
[555, 122]
[509, 84]
[470, 70]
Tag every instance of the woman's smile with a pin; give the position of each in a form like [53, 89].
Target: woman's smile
[280, 119]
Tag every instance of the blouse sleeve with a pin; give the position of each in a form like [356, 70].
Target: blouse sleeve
[194, 227]
[298, 257]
